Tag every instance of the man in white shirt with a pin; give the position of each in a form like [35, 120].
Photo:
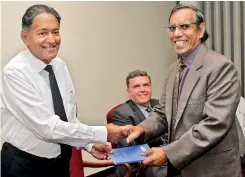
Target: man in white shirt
[38, 137]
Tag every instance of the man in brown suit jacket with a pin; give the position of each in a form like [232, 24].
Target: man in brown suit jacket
[203, 140]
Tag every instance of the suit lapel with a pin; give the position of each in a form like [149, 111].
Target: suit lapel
[169, 93]
[190, 82]
[136, 111]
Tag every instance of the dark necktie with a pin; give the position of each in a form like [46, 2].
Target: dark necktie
[172, 171]
[180, 68]
[58, 108]
[148, 109]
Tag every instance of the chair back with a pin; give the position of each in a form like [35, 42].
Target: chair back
[110, 114]
[109, 118]
[76, 163]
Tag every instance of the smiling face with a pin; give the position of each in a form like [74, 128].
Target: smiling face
[185, 41]
[140, 90]
[43, 38]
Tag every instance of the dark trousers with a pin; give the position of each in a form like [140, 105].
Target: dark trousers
[152, 171]
[172, 171]
[17, 163]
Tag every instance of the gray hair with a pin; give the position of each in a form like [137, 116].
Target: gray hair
[136, 73]
[199, 17]
[34, 10]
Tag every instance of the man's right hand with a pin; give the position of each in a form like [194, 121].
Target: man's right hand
[134, 132]
[116, 132]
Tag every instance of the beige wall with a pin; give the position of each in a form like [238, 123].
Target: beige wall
[101, 43]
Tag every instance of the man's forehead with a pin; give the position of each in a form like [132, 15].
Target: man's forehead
[139, 78]
[186, 14]
[44, 18]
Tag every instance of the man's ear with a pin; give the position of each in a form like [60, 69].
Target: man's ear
[24, 37]
[202, 29]
[128, 92]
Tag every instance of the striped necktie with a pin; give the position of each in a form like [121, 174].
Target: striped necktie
[180, 68]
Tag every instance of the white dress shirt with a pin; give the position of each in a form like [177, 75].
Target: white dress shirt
[28, 120]
[240, 113]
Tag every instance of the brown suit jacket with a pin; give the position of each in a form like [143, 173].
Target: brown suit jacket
[206, 141]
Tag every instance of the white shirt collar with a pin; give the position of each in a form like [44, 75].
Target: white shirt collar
[36, 63]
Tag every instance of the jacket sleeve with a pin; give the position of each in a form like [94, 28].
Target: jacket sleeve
[156, 123]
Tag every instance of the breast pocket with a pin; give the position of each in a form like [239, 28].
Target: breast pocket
[71, 97]
[71, 110]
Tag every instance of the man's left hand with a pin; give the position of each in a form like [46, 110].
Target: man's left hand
[156, 156]
[100, 151]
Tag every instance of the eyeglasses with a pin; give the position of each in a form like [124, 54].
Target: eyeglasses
[182, 27]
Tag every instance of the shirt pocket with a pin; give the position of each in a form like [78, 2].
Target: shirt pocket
[71, 97]
[71, 106]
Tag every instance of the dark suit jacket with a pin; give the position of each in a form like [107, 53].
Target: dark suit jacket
[205, 135]
[129, 113]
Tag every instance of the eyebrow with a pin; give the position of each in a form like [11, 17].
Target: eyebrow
[47, 29]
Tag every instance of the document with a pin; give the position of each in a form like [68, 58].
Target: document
[129, 154]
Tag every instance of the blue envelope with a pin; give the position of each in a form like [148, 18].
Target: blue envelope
[130, 154]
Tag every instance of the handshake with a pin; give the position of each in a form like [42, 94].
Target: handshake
[156, 155]
[115, 133]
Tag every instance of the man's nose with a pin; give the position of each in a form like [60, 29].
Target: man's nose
[142, 88]
[177, 32]
[50, 38]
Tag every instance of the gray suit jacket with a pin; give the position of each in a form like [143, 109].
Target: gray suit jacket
[129, 114]
[206, 141]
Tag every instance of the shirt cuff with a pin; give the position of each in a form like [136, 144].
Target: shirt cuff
[88, 147]
[100, 134]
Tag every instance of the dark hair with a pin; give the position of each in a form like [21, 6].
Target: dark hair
[199, 17]
[34, 10]
[136, 73]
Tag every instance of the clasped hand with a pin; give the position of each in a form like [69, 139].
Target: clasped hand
[116, 132]
[156, 155]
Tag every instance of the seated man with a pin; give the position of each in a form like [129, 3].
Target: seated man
[135, 111]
